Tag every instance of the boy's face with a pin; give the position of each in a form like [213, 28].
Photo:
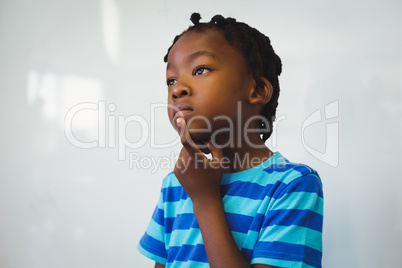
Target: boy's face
[206, 78]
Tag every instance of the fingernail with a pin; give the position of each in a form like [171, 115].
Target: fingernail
[178, 121]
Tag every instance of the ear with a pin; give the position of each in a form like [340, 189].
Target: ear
[260, 95]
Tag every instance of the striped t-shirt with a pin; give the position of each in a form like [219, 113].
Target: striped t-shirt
[274, 210]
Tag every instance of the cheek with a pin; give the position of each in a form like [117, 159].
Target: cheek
[170, 110]
[199, 130]
[170, 116]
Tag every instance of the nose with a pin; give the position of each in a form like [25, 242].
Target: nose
[180, 90]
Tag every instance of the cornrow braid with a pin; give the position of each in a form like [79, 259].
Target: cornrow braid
[258, 53]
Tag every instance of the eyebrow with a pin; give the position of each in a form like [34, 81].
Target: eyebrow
[195, 55]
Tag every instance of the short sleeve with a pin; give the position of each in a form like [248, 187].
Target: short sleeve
[152, 244]
[291, 231]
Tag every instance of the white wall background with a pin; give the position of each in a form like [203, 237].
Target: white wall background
[64, 206]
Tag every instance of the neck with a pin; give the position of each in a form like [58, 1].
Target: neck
[245, 155]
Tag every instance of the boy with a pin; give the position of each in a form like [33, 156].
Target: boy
[247, 206]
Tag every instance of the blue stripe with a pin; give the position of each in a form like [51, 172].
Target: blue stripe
[245, 189]
[309, 183]
[242, 223]
[247, 253]
[181, 221]
[265, 250]
[257, 223]
[299, 217]
[239, 223]
[158, 216]
[174, 193]
[282, 167]
[303, 169]
[188, 253]
[286, 251]
[153, 246]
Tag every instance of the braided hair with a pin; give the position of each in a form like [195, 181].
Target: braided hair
[258, 53]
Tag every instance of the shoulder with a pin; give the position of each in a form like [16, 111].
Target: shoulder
[296, 195]
[293, 176]
[273, 178]
[280, 164]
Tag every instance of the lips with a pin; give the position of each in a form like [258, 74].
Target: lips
[181, 108]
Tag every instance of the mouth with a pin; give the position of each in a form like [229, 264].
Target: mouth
[181, 109]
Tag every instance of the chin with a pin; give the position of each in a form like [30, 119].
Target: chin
[199, 131]
[199, 137]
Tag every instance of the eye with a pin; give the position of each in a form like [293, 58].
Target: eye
[201, 70]
[171, 82]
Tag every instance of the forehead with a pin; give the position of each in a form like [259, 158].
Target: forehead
[211, 41]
